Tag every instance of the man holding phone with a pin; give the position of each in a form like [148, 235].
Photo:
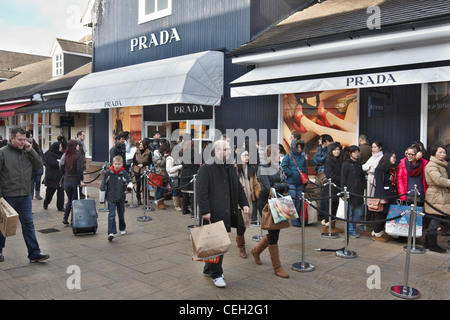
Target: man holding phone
[17, 161]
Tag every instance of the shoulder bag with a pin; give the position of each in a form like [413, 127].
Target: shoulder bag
[303, 176]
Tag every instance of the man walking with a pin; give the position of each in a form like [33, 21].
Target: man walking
[219, 193]
[17, 161]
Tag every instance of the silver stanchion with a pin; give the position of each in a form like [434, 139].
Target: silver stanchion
[105, 205]
[146, 208]
[414, 249]
[404, 291]
[259, 236]
[365, 226]
[329, 235]
[132, 205]
[346, 253]
[196, 213]
[303, 266]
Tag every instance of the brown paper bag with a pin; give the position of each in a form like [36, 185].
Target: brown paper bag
[210, 240]
[267, 222]
[8, 219]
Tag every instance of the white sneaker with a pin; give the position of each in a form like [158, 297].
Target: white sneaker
[110, 237]
[123, 232]
[219, 282]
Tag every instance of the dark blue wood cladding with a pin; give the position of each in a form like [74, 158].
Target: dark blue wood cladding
[202, 25]
[400, 124]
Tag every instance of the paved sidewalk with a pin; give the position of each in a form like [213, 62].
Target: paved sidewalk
[153, 261]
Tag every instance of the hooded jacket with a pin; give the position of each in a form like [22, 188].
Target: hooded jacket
[16, 166]
[114, 183]
[289, 166]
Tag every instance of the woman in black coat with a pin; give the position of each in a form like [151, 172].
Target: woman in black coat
[270, 176]
[386, 190]
[189, 169]
[332, 170]
[53, 176]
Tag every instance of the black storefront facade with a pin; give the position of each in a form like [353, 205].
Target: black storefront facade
[391, 83]
[166, 68]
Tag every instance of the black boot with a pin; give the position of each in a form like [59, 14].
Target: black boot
[426, 243]
[434, 246]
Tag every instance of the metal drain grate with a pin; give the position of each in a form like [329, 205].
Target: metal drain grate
[49, 230]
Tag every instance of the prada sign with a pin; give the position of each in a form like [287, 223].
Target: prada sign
[189, 112]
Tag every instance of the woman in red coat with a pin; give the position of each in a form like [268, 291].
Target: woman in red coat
[411, 171]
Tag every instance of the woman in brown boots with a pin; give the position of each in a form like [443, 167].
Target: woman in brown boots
[247, 177]
[270, 175]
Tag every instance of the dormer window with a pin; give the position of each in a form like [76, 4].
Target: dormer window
[154, 9]
[58, 65]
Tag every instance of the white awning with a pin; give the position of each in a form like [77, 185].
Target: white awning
[372, 62]
[195, 79]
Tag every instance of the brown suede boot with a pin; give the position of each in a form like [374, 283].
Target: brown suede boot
[160, 205]
[162, 202]
[276, 263]
[260, 247]
[334, 229]
[241, 245]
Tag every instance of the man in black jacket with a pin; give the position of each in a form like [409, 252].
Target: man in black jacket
[219, 194]
[352, 177]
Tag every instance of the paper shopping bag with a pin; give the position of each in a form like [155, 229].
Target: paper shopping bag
[400, 226]
[210, 240]
[282, 209]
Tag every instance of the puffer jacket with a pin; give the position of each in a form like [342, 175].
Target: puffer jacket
[289, 166]
[438, 192]
[16, 167]
[115, 185]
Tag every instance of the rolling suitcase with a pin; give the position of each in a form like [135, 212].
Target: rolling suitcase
[84, 215]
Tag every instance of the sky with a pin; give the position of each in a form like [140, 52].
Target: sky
[31, 26]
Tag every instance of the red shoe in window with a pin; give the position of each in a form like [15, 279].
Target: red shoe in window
[298, 114]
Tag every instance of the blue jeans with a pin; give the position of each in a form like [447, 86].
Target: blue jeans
[355, 213]
[159, 193]
[295, 191]
[72, 194]
[23, 207]
[112, 206]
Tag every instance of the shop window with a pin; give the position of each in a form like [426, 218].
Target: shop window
[438, 113]
[154, 9]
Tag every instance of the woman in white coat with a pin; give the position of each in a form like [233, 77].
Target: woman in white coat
[370, 166]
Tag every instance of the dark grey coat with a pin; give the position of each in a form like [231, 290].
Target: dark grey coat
[215, 196]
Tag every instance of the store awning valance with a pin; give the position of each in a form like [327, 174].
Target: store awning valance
[194, 78]
[350, 69]
[49, 106]
[10, 110]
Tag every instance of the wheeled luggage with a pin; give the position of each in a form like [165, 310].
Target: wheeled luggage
[84, 215]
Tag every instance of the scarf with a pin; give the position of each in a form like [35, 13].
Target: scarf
[414, 170]
[116, 172]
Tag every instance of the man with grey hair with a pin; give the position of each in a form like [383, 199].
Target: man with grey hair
[219, 194]
[17, 161]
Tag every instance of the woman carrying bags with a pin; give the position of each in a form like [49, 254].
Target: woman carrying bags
[249, 181]
[270, 176]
